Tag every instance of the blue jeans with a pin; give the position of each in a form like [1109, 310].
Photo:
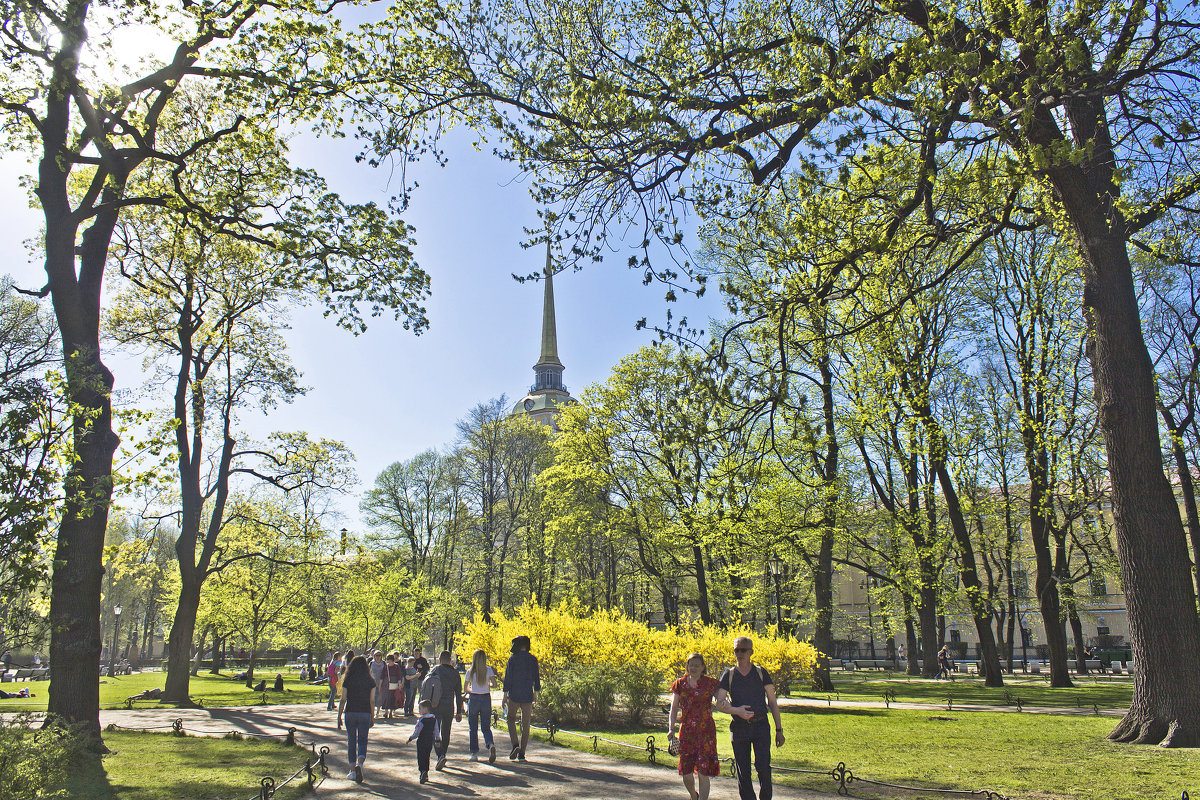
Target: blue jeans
[332, 695]
[479, 715]
[358, 723]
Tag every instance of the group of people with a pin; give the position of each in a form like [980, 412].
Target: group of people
[370, 689]
[745, 691]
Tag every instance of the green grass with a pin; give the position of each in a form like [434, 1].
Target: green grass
[1033, 691]
[1019, 755]
[159, 766]
[211, 690]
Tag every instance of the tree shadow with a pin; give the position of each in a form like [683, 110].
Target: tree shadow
[88, 779]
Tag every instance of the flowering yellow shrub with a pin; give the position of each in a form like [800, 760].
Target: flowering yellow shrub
[570, 635]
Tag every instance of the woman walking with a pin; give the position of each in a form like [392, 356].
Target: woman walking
[391, 684]
[693, 696]
[377, 667]
[357, 703]
[481, 679]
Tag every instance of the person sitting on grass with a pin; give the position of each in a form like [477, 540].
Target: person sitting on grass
[426, 732]
[261, 686]
[278, 687]
[149, 694]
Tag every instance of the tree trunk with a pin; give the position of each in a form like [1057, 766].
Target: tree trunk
[1076, 629]
[910, 636]
[823, 630]
[75, 589]
[1151, 547]
[701, 586]
[179, 645]
[1188, 490]
[927, 617]
[1046, 581]
[981, 606]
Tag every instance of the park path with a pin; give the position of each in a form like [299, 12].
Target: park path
[551, 773]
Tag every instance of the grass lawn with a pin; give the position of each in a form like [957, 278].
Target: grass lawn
[211, 690]
[1033, 691]
[1019, 755]
[159, 766]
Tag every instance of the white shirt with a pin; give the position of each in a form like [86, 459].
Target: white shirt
[485, 687]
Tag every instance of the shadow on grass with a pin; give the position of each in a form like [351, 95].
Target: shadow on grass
[89, 780]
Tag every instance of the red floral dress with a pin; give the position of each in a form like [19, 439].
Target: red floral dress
[697, 731]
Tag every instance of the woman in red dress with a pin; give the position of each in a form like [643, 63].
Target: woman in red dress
[693, 696]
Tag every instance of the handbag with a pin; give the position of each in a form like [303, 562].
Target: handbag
[673, 745]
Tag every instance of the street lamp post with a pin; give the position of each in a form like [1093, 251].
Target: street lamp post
[112, 655]
[673, 588]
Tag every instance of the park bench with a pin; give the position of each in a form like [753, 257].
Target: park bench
[873, 663]
[22, 674]
[1093, 665]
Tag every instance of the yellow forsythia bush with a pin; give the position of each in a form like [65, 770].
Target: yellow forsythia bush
[569, 635]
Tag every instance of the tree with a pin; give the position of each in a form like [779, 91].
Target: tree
[30, 435]
[625, 110]
[92, 138]
[255, 596]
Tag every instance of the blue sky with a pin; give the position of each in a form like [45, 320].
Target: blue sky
[388, 394]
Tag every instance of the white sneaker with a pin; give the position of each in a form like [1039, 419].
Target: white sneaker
[474, 757]
[352, 774]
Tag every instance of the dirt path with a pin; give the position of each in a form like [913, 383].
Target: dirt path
[551, 773]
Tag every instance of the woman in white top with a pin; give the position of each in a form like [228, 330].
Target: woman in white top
[480, 681]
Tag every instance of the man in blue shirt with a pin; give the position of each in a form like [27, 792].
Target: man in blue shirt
[749, 692]
[522, 682]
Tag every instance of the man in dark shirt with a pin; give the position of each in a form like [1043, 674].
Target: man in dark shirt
[749, 693]
[450, 703]
[522, 682]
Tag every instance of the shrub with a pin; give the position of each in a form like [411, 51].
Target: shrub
[34, 760]
[568, 638]
[641, 685]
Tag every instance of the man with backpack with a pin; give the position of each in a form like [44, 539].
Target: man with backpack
[442, 688]
[748, 693]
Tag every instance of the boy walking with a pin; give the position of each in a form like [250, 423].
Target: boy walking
[426, 732]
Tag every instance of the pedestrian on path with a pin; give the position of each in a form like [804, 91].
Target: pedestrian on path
[426, 733]
[693, 695]
[446, 700]
[331, 672]
[747, 692]
[412, 683]
[377, 666]
[358, 701]
[391, 684]
[522, 682]
[481, 679]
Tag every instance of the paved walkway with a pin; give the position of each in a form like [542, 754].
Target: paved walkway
[551, 773]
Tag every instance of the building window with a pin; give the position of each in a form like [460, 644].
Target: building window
[955, 636]
[1099, 589]
[1020, 584]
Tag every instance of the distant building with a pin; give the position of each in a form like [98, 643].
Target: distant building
[548, 393]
